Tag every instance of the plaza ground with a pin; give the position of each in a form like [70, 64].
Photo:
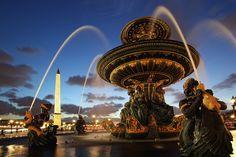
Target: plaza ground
[95, 145]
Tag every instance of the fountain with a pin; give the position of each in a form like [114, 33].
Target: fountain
[146, 62]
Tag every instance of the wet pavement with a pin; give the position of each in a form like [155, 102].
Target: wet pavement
[94, 145]
[91, 146]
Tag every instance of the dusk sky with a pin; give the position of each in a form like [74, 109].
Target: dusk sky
[32, 31]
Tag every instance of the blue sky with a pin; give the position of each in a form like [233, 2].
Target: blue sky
[32, 31]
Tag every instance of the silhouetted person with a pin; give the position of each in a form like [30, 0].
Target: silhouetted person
[2, 132]
[80, 124]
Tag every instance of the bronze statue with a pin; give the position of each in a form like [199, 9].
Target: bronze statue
[125, 112]
[204, 133]
[139, 109]
[38, 137]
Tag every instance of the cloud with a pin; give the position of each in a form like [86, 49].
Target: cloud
[19, 106]
[8, 94]
[26, 101]
[177, 96]
[102, 109]
[22, 104]
[7, 108]
[49, 96]
[169, 89]
[29, 86]
[115, 98]
[119, 89]
[228, 83]
[28, 50]
[90, 97]
[5, 57]
[90, 101]
[14, 90]
[92, 80]
[175, 93]
[16, 75]
[19, 109]
[70, 108]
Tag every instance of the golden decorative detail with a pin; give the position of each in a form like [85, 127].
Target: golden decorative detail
[210, 102]
[134, 126]
[145, 28]
[145, 73]
[135, 82]
[153, 51]
[143, 63]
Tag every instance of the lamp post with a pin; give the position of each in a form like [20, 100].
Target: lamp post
[11, 123]
[2, 131]
[64, 125]
[73, 125]
[233, 100]
[94, 126]
[17, 126]
[73, 122]
[94, 116]
[21, 124]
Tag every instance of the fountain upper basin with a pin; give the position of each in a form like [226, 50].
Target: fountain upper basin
[133, 63]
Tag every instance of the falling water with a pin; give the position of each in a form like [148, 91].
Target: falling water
[163, 10]
[78, 30]
[202, 71]
[225, 30]
[215, 26]
[86, 79]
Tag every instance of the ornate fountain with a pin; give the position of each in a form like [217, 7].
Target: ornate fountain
[146, 62]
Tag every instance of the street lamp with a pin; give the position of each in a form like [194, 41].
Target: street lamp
[233, 100]
[73, 121]
[63, 126]
[94, 116]
[2, 131]
[11, 123]
[232, 116]
[17, 126]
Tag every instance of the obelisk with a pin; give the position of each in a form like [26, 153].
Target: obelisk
[57, 106]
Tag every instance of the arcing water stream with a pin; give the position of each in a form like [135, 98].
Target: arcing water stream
[78, 30]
